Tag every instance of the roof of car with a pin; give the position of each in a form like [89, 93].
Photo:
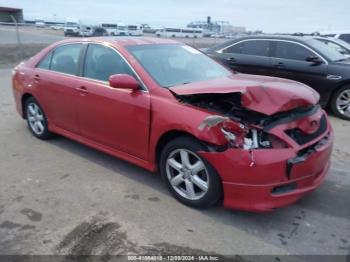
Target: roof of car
[125, 40]
[285, 37]
[277, 37]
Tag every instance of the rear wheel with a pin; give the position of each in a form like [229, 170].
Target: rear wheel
[190, 178]
[36, 119]
[340, 103]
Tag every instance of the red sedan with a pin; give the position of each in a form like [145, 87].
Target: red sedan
[256, 142]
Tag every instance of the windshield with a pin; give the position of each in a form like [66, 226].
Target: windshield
[343, 48]
[71, 24]
[172, 64]
[325, 50]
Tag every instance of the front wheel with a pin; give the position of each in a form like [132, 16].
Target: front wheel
[189, 177]
[340, 103]
[36, 119]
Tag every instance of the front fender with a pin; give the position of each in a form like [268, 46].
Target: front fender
[169, 115]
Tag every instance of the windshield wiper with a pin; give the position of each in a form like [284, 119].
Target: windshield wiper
[177, 84]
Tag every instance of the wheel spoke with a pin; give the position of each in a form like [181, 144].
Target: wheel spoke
[174, 164]
[35, 107]
[40, 126]
[40, 117]
[200, 183]
[31, 110]
[197, 167]
[190, 189]
[175, 181]
[185, 160]
[36, 128]
[31, 118]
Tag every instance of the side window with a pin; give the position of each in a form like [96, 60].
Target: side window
[345, 37]
[101, 62]
[45, 62]
[234, 49]
[256, 47]
[65, 59]
[287, 50]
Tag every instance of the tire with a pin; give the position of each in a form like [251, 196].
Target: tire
[210, 190]
[34, 115]
[340, 103]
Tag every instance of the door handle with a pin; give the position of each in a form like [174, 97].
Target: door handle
[279, 65]
[230, 60]
[82, 90]
[36, 77]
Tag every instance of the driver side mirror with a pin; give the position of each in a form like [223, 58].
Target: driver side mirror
[123, 81]
[314, 59]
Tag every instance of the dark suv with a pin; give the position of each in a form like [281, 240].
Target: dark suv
[303, 59]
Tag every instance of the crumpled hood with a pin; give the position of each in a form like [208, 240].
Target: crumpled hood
[267, 95]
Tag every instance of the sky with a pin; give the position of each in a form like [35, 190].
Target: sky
[271, 16]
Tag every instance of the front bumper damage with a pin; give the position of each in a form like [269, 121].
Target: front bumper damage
[265, 179]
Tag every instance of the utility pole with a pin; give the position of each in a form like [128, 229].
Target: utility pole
[18, 38]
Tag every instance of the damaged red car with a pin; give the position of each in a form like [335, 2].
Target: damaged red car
[255, 142]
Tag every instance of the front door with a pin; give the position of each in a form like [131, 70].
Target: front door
[117, 118]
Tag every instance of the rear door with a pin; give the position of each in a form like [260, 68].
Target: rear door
[289, 61]
[247, 56]
[55, 77]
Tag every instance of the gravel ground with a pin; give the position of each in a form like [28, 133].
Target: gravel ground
[60, 197]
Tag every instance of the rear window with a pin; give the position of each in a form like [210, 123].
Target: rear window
[251, 47]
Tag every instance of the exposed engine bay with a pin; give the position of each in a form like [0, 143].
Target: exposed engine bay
[248, 129]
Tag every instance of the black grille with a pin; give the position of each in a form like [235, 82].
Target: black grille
[301, 138]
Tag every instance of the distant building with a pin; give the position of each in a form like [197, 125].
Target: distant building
[217, 26]
[7, 12]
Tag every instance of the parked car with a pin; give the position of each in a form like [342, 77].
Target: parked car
[40, 23]
[345, 35]
[303, 59]
[256, 142]
[337, 44]
[99, 31]
[57, 27]
[72, 28]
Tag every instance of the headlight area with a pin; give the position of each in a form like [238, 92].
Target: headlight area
[239, 135]
[253, 139]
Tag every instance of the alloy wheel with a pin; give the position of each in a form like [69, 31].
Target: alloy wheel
[343, 102]
[187, 174]
[35, 118]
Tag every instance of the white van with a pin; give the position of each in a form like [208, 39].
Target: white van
[71, 28]
[180, 32]
[135, 30]
[110, 28]
[122, 29]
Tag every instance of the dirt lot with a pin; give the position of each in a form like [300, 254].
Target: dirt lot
[60, 197]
